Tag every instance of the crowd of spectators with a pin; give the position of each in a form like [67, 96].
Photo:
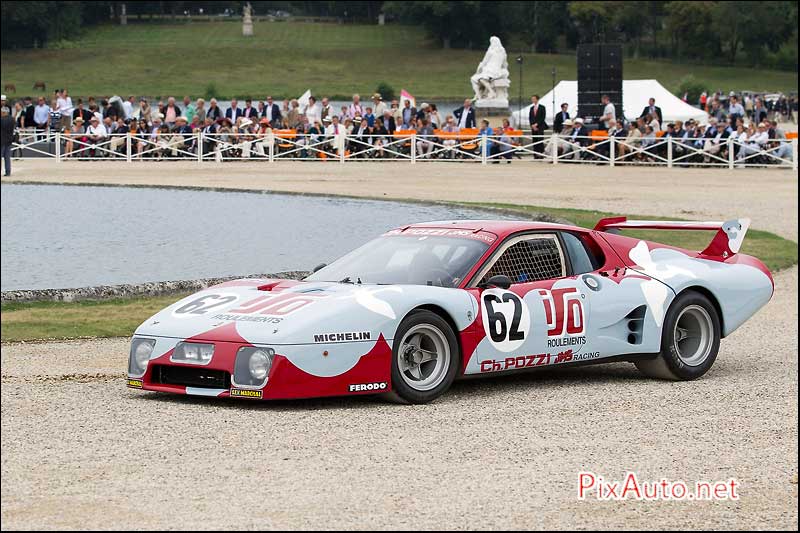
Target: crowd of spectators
[371, 128]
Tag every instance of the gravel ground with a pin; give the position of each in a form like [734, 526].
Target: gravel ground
[80, 450]
[768, 196]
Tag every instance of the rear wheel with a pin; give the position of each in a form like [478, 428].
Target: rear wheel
[425, 358]
[689, 340]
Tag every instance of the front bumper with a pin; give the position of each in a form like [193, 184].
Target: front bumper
[370, 374]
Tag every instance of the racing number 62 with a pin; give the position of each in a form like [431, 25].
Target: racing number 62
[498, 328]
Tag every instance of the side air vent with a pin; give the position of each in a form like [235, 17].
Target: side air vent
[635, 321]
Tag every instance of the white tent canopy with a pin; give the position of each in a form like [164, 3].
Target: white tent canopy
[635, 97]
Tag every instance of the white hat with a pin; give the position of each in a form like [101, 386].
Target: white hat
[568, 122]
[246, 122]
[424, 106]
[578, 120]
[2, 97]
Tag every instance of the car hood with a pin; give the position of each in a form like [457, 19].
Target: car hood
[277, 312]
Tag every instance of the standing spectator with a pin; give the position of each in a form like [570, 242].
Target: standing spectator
[81, 112]
[748, 106]
[293, 117]
[19, 114]
[6, 139]
[200, 111]
[423, 110]
[326, 111]
[537, 120]
[214, 111]
[272, 112]
[171, 113]
[66, 108]
[759, 112]
[127, 107]
[55, 116]
[408, 114]
[379, 106]
[249, 112]
[434, 117]
[41, 116]
[424, 139]
[234, 112]
[188, 108]
[486, 132]
[312, 112]
[735, 109]
[652, 109]
[30, 109]
[109, 110]
[369, 117]
[561, 116]
[609, 118]
[465, 115]
[355, 108]
[145, 111]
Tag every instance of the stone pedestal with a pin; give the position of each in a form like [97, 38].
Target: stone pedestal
[494, 114]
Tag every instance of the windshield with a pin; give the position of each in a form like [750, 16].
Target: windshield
[406, 259]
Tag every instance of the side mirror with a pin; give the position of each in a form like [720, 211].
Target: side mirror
[500, 281]
[320, 267]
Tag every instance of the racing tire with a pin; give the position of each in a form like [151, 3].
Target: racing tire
[425, 358]
[689, 340]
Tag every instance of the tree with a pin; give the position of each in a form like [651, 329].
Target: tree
[540, 24]
[690, 30]
[592, 19]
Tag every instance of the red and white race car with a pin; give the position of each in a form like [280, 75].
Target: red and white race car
[409, 312]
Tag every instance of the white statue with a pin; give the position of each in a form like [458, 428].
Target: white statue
[247, 20]
[490, 82]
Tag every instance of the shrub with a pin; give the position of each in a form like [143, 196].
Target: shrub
[386, 90]
[692, 86]
[211, 91]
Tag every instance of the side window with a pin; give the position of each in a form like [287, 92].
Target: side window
[531, 258]
[581, 259]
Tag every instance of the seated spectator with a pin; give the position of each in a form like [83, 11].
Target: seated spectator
[96, 133]
[214, 111]
[632, 140]
[506, 144]
[756, 141]
[425, 138]
[142, 136]
[451, 127]
[76, 133]
[200, 111]
[181, 136]
[223, 138]
[388, 122]
[369, 117]
[119, 139]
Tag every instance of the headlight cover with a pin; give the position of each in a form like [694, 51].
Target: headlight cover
[193, 353]
[141, 350]
[252, 366]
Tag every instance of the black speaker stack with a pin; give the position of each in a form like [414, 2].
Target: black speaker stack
[599, 73]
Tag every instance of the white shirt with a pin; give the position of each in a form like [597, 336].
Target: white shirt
[127, 107]
[462, 122]
[655, 125]
[99, 130]
[611, 112]
[65, 106]
[331, 130]
[760, 138]
[313, 113]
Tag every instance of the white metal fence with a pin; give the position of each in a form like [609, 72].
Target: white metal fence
[288, 145]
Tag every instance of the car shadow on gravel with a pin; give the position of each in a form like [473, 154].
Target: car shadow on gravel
[498, 385]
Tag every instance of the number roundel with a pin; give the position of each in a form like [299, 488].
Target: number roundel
[203, 304]
[506, 319]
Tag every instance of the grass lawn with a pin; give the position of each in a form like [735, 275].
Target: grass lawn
[286, 58]
[119, 317]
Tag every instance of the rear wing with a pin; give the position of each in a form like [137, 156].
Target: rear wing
[726, 242]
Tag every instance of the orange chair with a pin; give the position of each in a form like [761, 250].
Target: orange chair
[599, 135]
[405, 134]
[470, 136]
[660, 133]
[791, 135]
[283, 136]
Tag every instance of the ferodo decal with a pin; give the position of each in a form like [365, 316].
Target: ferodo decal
[135, 383]
[506, 319]
[203, 304]
[368, 387]
[246, 393]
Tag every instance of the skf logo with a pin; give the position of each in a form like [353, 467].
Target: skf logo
[135, 383]
[364, 387]
[246, 393]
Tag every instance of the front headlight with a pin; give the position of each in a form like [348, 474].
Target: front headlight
[194, 353]
[141, 350]
[252, 366]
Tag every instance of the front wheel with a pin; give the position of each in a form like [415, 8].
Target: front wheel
[689, 340]
[425, 358]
